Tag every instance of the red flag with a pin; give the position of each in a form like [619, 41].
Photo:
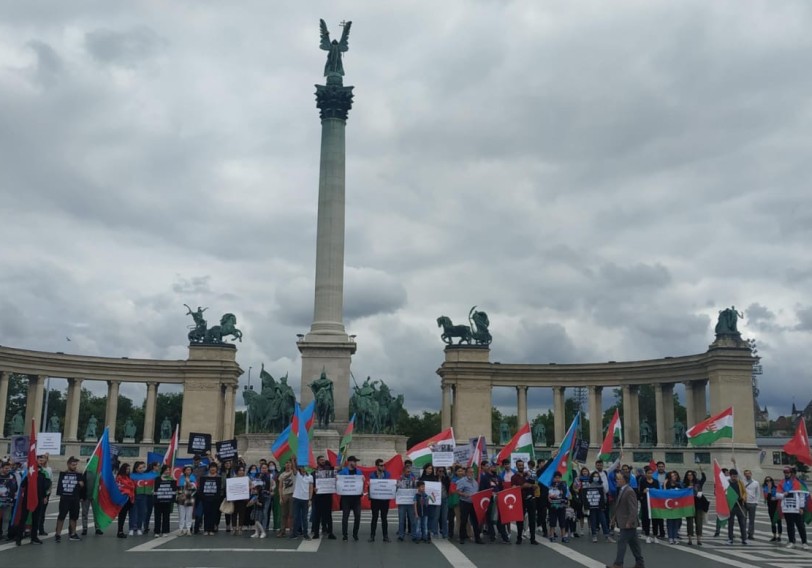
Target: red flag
[481, 501]
[33, 470]
[798, 446]
[509, 502]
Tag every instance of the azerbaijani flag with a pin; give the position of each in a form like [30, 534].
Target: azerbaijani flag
[671, 503]
[615, 429]
[420, 454]
[522, 442]
[721, 490]
[104, 494]
[561, 461]
[344, 444]
[286, 445]
[304, 452]
[714, 428]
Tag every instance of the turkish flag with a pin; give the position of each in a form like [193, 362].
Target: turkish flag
[798, 446]
[481, 501]
[33, 470]
[509, 502]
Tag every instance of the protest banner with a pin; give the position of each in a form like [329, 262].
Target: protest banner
[49, 443]
[165, 490]
[385, 489]
[227, 449]
[349, 484]
[516, 456]
[238, 488]
[434, 489]
[198, 443]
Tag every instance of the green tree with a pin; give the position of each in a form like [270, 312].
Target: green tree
[418, 428]
[17, 393]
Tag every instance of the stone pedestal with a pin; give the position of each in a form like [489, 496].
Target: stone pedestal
[128, 441]
[92, 439]
[328, 354]
[467, 371]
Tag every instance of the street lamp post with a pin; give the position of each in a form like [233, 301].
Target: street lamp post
[247, 388]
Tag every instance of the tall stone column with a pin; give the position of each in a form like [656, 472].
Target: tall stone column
[4, 380]
[521, 405]
[34, 400]
[149, 413]
[111, 413]
[631, 415]
[664, 407]
[72, 410]
[445, 419]
[690, 414]
[595, 416]
[228, 411]
[558, 414]
[701, 401]
[327, 347]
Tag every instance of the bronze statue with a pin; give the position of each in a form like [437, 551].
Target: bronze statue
[166, 429]
[450, 331]
[323, 395]
[727, 322]
[54, 424]
[197, 332]
[17, 424]
[334, 66]
[364, 405]
[271, 409]
[479, 327]
[92, 425]
[129, 428]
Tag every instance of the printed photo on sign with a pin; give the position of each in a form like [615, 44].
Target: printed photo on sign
[383, 488]
[407, 483]
[349, 484]
[514, 457]
[442, 459]
[462, 454]
[434, 490]
[49, 443]
[68, 484]
[19, 449]
[238, 488]
[405, 496]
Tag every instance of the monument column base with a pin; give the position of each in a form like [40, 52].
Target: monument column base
[333, 355]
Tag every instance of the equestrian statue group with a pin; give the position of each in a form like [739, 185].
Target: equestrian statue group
[476, 332]
[201, 334]
[376, 410]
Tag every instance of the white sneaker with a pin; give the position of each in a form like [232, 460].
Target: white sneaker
[263, 535]
[139, 532]
[656, 540]
[255, 535]
[805, 546]
[790, 545]
[132, 532]
[648, 540]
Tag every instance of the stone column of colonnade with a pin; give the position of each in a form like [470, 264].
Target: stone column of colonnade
[111, 412]
[149, 413]
[595, 416]
[521, 405]
[559, 424]
[664, 407]
[4, 380]
[72, 410]
[447, 402]
[631, 415]
[34, 400]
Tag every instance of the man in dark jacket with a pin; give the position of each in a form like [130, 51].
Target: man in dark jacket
[626, 519]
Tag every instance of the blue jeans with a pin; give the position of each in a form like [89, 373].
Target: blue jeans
[138, 514]
[444, 519]
[596, 518]
[672, 528]
[266, 509]
[406, 512]
[434, 519]
[299, 518]
[423, 522]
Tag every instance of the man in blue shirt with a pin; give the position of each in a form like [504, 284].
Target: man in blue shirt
[350, 503]
[379, 507]
[466, 487]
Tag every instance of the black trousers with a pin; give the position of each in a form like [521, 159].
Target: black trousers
[350, 503]
[493, 525]
[211, 514]
[162, 511]
[122, 515]
[467, 514]
[529, 506]
[737, 512]
[41, 522]
[775, 524]
[541, 515]
[795, 520]
[380, 508]
[323, 513]
[36, 520]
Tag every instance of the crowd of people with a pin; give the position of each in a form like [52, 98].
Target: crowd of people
[592, 503]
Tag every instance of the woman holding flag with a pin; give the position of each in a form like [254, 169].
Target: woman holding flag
[769, 491]
[701, 504]
[672, 525]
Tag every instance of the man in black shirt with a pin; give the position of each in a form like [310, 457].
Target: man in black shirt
[323, 502]
[68, 488]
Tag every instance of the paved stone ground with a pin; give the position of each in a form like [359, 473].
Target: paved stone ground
[225, 550]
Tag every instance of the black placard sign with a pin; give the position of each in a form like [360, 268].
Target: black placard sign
[581, 451]
[227, 449]
[68, 485]
[199, 443]
[210, 487]
[165, 490]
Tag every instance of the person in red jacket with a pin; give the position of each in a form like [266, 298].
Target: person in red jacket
[127, 487]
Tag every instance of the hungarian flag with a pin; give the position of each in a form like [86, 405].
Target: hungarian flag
[615, 429]
[798, 446]
[344, 445]
[105, 496]
[33, 470]
[522, 442]
[561, 461]
[714, 428]
[721, 489]
[481, 501]
[420, 454]
[169, 456]
[476, 455]
[509, 502]
[671, 503]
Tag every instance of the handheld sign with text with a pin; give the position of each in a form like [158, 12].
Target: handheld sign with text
[165, 490]
[325, 481]
[383, 489]
[238, 488]
[199, 443]
[68, 484]
[227, 449]
[349, 484]
[49, 443]
[434, 490]
[405, 492]
[790, 503]
[442, 459]
[516, 456]
[211, 488]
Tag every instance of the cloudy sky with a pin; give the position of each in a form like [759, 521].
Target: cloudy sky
[601, 178]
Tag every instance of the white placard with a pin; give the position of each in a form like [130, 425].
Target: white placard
[49, 443]
[524, 456]
[349, 484]
[238, 488]
[405, 496]
[325, 485]
[442, 459]
[434, 489]
[791, 503]
[462, 454]
[385, 489]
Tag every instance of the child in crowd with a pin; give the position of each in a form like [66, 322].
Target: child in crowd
[421, 513]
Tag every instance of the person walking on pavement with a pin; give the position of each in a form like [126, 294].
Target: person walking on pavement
[626, 519]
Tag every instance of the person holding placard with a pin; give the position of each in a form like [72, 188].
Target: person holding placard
[793, 497]
[324, 489]
[68, 486]
[187, 489]
[302, 495]
[285, 486]
[405, 502]
[211, 491]
[466, 487]
[350, 503]
[379, 507]
[163, 497]
[433, 512]
[240, 507]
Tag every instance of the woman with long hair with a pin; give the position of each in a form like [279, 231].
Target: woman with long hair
[672, 525]
[701, 505]
[769, 489]
[127, 487]
[187, 489]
